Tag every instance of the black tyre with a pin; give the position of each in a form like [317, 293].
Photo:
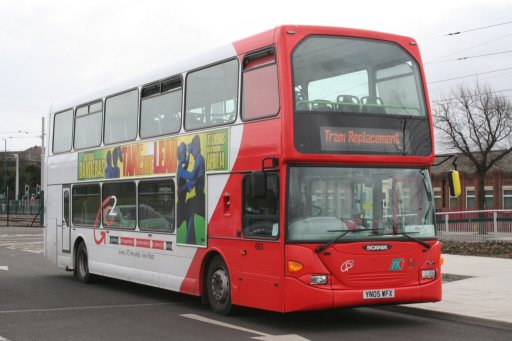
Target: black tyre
[218, 286]
[81, 271]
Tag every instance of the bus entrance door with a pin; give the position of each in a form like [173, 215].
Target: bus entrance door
[66, 220]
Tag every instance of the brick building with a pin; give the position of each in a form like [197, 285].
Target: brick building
[498, 185]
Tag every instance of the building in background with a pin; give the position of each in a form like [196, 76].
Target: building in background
[29, 172]
[498, 185]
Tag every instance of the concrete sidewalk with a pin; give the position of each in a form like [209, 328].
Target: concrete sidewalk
[486, 292]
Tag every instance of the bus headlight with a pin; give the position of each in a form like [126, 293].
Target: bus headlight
[428, 274]
[318, 279]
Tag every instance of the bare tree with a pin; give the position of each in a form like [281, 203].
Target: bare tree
[474, 122]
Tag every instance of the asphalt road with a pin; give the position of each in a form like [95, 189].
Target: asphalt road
[38, 301]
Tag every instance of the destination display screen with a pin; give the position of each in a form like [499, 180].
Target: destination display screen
[327, 133]
[350, 139]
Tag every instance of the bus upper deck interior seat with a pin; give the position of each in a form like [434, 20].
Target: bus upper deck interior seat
[323, 105]
[372, 104]
[348, 103]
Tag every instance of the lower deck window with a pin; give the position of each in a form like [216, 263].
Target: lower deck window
[156, 206]
[86, 203]
[261, 214]
[121, 209]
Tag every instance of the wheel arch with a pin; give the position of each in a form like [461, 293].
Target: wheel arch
[77, 242]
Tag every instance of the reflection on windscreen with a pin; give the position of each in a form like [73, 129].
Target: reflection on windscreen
[350, 75]
[324, 201]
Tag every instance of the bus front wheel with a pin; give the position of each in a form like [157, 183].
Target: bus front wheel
[82, 264]
[218, 286]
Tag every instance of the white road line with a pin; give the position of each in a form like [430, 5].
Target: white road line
[6, 268]
[30, 244]
[34, 250]
[42, 310]
[262, 336]
[3, 338]
[20, 243]
[21, 235]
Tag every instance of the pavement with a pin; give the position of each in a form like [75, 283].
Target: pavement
[475, 288]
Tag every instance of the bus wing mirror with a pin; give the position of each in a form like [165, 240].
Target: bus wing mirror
[454, 180]
[259, 184]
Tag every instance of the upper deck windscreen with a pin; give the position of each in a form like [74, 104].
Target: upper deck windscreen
[356, 76]
[354, 95]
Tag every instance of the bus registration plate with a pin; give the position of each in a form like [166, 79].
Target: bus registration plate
[379, 293]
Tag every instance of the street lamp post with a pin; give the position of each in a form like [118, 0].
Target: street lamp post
[5, 168]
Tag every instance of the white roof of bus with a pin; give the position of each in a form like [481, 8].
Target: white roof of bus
[205, 59]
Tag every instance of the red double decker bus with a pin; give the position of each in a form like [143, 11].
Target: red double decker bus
[287, 171]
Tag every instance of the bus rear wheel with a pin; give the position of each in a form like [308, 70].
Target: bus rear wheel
[218, 286]
[82, 264]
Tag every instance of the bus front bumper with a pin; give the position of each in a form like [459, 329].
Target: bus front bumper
[300, 296]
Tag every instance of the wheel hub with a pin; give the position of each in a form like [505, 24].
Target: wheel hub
[219, 285]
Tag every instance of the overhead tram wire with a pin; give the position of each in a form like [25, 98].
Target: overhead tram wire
[475, 80]
[469, 48]
[453, 98]
[469, 57]
[471, 75]
[458, 33]
[22, 105]
[477, 29]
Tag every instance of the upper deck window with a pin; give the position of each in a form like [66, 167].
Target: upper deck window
[121, 117]
[351, 75]
[63, 131]
[260, 91]
[88, 125]
[160, 108]
[211, 96]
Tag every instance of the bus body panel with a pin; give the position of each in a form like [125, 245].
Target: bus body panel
[53, 221]
[62, 169]
[151, 259]
[255, 264]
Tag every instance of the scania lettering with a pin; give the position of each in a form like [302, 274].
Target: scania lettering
[383, 247]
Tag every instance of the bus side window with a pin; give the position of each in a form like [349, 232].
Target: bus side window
[85, 201]
[260, 90]
[211, 95]
[63, 131]
[260, 216]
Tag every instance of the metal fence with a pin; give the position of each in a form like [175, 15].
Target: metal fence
[20, 212]
[475, 226]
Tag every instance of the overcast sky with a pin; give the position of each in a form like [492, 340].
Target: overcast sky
[53, 50]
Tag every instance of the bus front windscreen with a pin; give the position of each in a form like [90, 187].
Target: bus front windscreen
[360, 203]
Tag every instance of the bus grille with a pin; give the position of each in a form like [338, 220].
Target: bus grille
[377, 279]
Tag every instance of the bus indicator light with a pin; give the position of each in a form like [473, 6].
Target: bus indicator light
[294, 266]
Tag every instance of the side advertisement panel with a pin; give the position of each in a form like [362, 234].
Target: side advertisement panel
[188, 158]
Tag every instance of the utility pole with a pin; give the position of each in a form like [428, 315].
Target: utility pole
[17, 185]
[42, 153]
[43, 186]
[5, 169]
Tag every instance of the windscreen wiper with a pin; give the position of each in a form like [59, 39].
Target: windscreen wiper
[344, 233]
[408, 236]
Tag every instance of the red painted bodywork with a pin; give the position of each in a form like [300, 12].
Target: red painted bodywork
[258, 268]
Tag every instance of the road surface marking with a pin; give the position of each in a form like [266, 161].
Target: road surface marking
[6, 268]
[261, 335]
[81, 308]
